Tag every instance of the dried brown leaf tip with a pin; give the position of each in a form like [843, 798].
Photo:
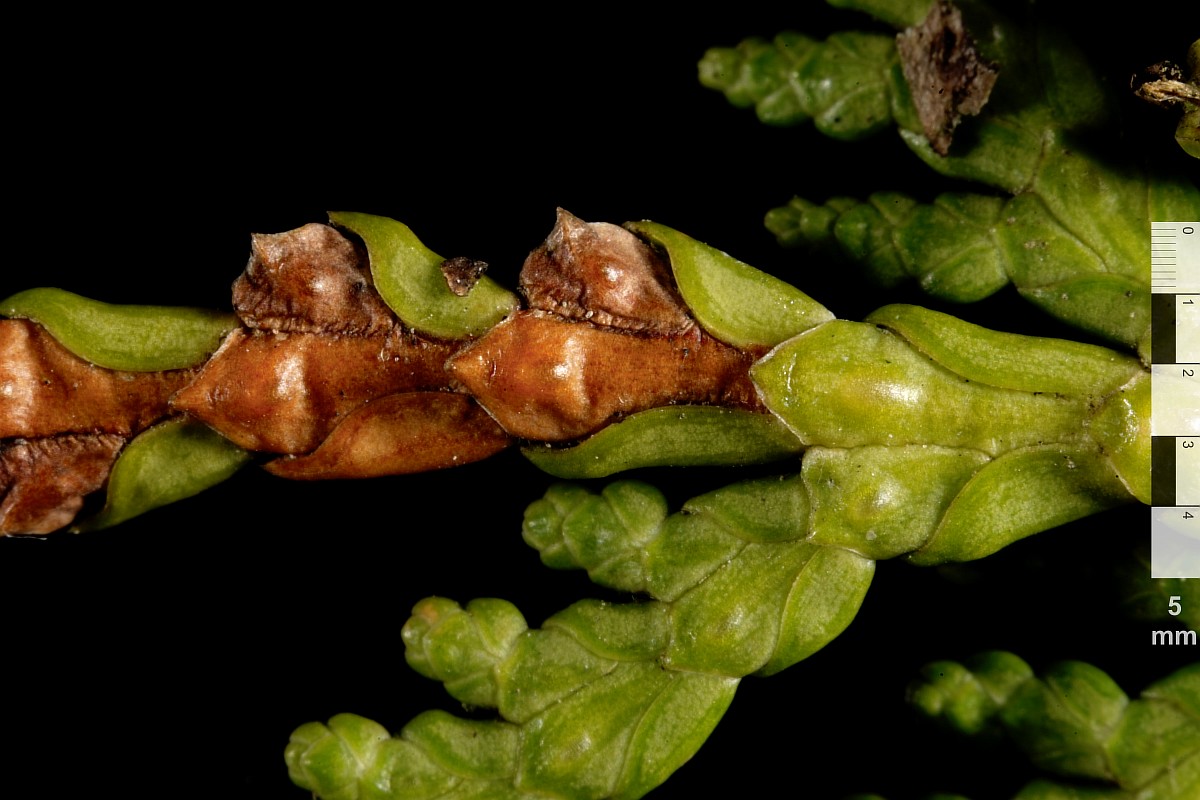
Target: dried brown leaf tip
[311, 279]
[1165, 84]
[462, 273]
[945, 73]
[602, 273]
[1162, 84]
[43, 481]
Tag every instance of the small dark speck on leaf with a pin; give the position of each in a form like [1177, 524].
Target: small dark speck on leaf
[945, 73]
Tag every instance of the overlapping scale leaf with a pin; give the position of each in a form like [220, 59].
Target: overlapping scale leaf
[1008, 360]
[731, 622]
[735, 302]
[171, 461]
[579, 746]
[849, 384]
[1160, 732]
[590, 710]
[671, 436]
[435, 756]
[1064, 720]
[774, 509]
[850, 85]
[737, 553]
[547, 666]
[969, 696]
[328, 759]
[1074, 720]
[949, 246]
[124, 337]
[463, 647]
[1020, 494]
[605, 534]
[884, 502]
[408, 276]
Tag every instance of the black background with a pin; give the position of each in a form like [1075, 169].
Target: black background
[173, 655]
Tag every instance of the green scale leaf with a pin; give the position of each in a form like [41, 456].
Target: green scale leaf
[409, 278]
[671, 436]
[733, 301]
[848, 85]
[124, 337]
[171, 461]
[1075, 721]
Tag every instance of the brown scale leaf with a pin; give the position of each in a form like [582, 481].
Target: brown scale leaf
[547, 379]
[604, 274]
[285, 392]
[399, 435]
[46, 390]
[945, 73]
[43, 481]
[311, 279]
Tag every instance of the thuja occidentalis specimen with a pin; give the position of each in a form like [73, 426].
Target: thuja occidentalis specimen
[633, 346]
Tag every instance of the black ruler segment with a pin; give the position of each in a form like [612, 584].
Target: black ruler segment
[1162, 329]
[1162, 471]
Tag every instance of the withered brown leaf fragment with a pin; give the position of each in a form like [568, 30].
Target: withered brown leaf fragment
[548, 379]
[43, 481]
[398, 435]
[604, 274]
[311, 279]
[285, 392]
[47, 390]
[946, 75]
[462, 273]
[1162, 84]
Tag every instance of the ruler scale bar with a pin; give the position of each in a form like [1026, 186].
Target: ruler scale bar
[1175, 389]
